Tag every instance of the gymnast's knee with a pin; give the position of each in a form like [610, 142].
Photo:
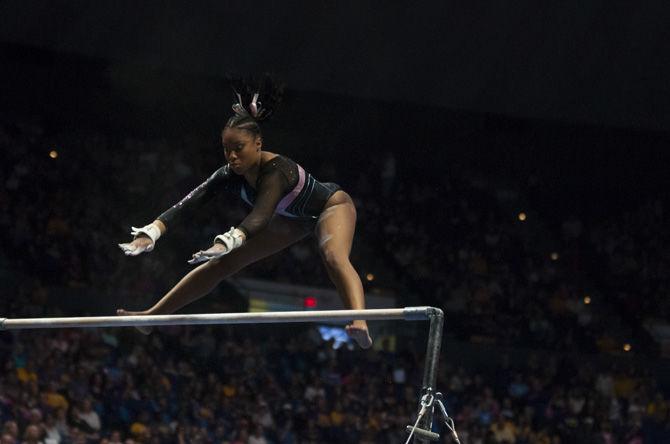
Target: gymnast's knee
[334, 260]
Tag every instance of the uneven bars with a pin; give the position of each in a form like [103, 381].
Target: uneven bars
[405, 314]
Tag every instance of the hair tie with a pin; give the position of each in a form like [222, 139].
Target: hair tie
[253, 107]
[247, 95]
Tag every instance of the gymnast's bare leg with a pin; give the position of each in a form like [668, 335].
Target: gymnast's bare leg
[280, 233]
[335, 234]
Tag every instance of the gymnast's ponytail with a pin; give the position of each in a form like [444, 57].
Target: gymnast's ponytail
[254, 101]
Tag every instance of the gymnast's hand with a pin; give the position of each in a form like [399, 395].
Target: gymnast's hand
[214, 252]
[137, 246]
[145, 238]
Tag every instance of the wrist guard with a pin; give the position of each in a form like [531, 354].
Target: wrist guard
[151, 230]
[233, 238]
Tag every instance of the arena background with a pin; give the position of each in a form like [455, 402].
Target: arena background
[446, 122]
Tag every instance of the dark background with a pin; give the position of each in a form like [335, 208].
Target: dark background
[567, 102]
[563, 105]
[602, 62]
[581, 89]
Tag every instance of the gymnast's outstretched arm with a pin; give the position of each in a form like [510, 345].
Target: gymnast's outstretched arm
[145, 238]
[199, 196]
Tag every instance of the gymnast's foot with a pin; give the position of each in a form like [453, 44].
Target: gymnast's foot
[358, 331]
[143, 330]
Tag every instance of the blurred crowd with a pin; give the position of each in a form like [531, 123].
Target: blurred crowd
[474, 246]
[235, 386]
[459, 240]
[463, 241]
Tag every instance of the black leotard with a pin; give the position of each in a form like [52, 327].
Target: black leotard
[282, 187]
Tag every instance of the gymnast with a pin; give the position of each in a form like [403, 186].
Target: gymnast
[287, 204]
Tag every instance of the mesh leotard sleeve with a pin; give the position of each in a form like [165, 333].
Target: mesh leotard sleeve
[201, 194]
[272, 185]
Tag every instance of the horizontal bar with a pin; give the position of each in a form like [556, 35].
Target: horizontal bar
[405, 314]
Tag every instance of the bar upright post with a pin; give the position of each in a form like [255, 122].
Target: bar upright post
[436, 317]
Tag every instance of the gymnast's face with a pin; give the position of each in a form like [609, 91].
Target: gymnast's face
[242, 149]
